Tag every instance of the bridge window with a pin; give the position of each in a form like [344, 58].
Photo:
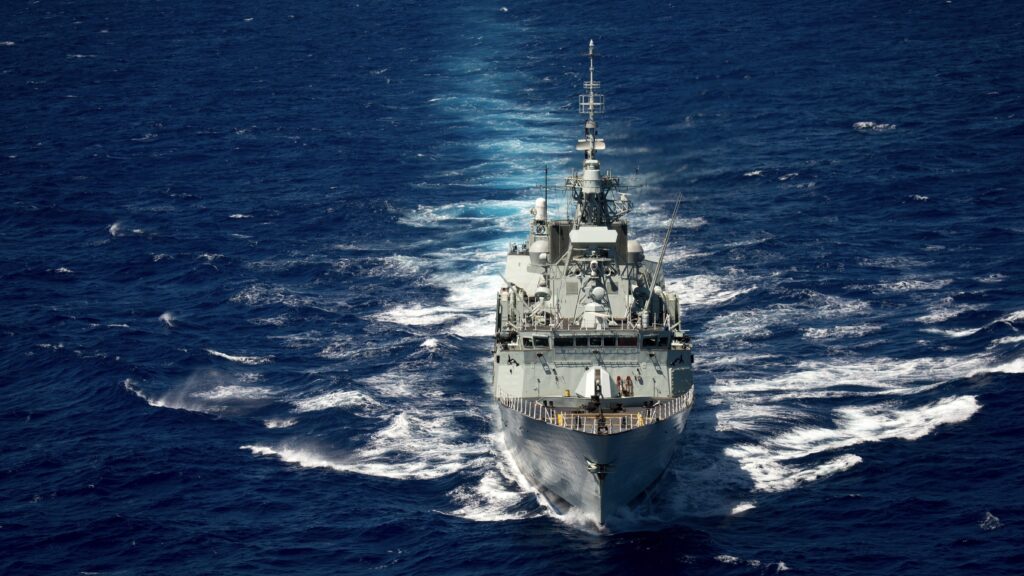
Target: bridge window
[581, 341]
[563, 341]
[527, 342]
[650, 342]
[540, 341]
[629, 341]
[609, 340]
[595, 340]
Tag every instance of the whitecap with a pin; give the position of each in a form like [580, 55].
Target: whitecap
[410, 447]
[250, 360]
[756, 323]
[857, 377]
[280, 423]
[945, 309]
[335, 399]
[235, 392]
[168, 319]
[766, 462]
[1007, 340]
[992, 278]
[211, 392]
[852, 331]
[491, 499]
[703, 290]
[991, 522]
[910, 285]
[417, 315]
[742, 507]
[240, 216]
[868, 126]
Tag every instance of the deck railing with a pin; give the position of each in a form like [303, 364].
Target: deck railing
[598, 423]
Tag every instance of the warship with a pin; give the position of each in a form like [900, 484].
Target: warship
[592, 372]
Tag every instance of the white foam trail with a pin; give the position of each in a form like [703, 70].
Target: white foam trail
[766, 461]
[249, 360]
[168, 319]
[114, 229]
[1007, 340]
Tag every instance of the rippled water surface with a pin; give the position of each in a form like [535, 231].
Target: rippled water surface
[249, 256]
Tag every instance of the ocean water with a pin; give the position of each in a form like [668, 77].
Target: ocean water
[248, 256]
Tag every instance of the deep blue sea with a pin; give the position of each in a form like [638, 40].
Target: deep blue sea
[249, 251]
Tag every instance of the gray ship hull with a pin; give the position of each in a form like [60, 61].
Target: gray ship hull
[567, 464]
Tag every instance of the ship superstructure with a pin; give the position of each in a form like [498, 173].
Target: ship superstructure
[592, 370]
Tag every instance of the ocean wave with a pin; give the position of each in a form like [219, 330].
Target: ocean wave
[757, 323]
[274, 423]
[412, 446]
[835, 332]
[945, 309]
[417, 315]
[766, 462]
[868, 126]
[908, 285]
[210, 392]
[706, 290]
[249, 360]
[335, 399]
[859, 377]
[490, 499]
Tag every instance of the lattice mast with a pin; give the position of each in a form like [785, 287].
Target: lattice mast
[590, 189]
